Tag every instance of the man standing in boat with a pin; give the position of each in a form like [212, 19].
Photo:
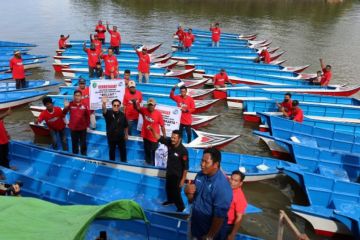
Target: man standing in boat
[97, 43]
[326, 73]
[115, 39]
[189, 39]
[176, 168]
[17, 69]
[144, 64]
[85, 96]
[187, 106]
[78, 123]
[286, 106]
[111, 64]
[215, 34]
[62, 42]
[116, 128]
[132, 115]
[54, 119]
[238, 204]
[221, 79]
[4, 141]
[93, 57]
[180, 36]
[153, 118]
[101, 30]
[211, 196]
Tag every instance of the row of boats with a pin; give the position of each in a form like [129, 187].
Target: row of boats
[323, 151]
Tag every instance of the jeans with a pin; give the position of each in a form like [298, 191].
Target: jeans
[188, 131]
[91, 72]
[4, 155]
[215, 44]
[121, 143]
[78, 137]
[132, 127]
[92, 120]
[146, 75]
[173, 191]
[20, 83]
[149, 151]
[62, 136]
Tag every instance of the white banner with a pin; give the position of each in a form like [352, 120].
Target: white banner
[112, 89]
[171, 117]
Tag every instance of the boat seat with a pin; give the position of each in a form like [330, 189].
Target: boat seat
[334, 173]
[311, 142]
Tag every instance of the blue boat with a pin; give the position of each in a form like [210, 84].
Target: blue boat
[240, 37]
[14, 99]
[204, 54]
[104, 184]
[322, 193]
[10, 50]
[32, 85]
[237, 94]
[288, 131]
[350, 128]
[223, 50]
[348, 213]
[160, 226]
[8, 76]
[256, 168]
[6, 58]
[28, 64]
[7, 44]
[331, 112]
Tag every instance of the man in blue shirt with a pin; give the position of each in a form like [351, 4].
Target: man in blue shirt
[211, 196]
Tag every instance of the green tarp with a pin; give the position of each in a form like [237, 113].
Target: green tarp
[29, 218]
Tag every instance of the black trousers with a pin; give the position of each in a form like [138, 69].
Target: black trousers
[188, 131]
[102, 40]
[20, 83]
[4, 155]
[91, 71]
[173, 191]
[121, 143]
[149, 150]
[116, 49]
[78, 137]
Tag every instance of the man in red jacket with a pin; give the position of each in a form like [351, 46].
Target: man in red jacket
[115, 39]
[101, 30]
[93, 58]
[221, 79]
[215, 34]
[4, 141]
[265, 56]
[143, 65]
[153, 118]
[54, 119]
[17, 68]
[97, 43]
[187, 106]
[78, 123]
[189, 39]
[131, 114]
[327, 73]
[111, 64]
[180, 35]
[286, 106]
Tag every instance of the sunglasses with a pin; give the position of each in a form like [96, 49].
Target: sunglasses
[116, 105]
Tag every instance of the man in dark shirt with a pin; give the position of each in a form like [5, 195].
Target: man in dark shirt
[176, 169]
[116, 128]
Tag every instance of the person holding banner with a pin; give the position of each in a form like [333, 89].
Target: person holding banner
[111, 64]
[85, 92]
[130, 112]
[78, 123]
[116, 128]
[176, 168]
[187, 105]
[153, 118]
[144, 64]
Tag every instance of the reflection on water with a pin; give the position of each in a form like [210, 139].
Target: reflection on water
[306, 29]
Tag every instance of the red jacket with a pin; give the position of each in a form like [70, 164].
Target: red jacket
[187, 106]
[154, 119]
[220, 80]
[54, 120]
[130, 111]
[93, 57]
[79, 116]
[144, 62]
[115, 39]
[265, 55]
[101, 30]
[4, 137]
[216, 32]
[17, 68]
[188, 39]
[326, 77]
[111, 64]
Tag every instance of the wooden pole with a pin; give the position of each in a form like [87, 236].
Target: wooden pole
[285, 220]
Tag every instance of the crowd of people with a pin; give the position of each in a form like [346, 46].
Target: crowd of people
[218, 201]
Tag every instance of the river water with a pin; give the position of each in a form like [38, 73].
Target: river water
[305, 29]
